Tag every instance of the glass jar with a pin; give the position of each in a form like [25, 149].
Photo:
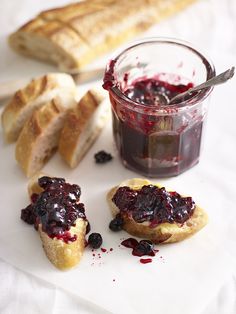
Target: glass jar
[154, 139]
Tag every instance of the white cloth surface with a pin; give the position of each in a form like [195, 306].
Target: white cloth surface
[209, 24]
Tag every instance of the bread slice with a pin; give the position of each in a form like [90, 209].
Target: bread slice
[65, 255]
[32, 97]
[76, 34]
[83, 124]
[164, 232]
[62, 255]
[33, 187]
[40, 135]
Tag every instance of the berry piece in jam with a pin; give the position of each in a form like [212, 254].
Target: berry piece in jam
[141, 248]
[153, 204]
[56, 208]
[130, 243]
[45, 181]
[28, 215]
[144, 247]
[95, 240]
[102, 157]
[88, 227]
[117, 223]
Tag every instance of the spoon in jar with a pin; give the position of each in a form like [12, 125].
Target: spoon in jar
[216, 80]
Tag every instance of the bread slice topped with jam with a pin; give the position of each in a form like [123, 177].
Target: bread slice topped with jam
[59, 217]
[149, 211]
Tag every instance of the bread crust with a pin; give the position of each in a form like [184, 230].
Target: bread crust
[78, 33]
[65, 255]
[30, 153]
[62, 255]
[32, 97]
[82, 127]
[162, 233]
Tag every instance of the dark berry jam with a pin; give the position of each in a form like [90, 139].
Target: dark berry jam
[145, 260]
[102, 157]
[153, 204]
[117, 223]
[95, 240]
[146, 91]
[56, 208]
[141, 248]
[130, 243]
[153, 139]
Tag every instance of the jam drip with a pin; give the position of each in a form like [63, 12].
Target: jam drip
[153, 204]
[57, 208]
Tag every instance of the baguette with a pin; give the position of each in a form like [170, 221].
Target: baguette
[164, 232]
[33, 187]
[32, 97]
[83, 124]
[61, 254]
[39, 137]
[74, 35]
[65, 255]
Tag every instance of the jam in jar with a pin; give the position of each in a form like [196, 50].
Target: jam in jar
[152, 137]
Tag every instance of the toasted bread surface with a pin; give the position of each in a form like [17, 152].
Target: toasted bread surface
[164, 232]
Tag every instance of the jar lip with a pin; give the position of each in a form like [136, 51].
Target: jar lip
[210, 69]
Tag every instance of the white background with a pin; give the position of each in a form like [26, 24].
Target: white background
[211, 25]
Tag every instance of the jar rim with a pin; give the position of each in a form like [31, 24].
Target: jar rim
[184, 105]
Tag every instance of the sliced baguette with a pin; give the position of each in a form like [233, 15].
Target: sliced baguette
[83, 124]
[62, 255]
[32, 97]
[76, 34]
[40, 135]
[33, 187]
[65, 255]
[163, 233]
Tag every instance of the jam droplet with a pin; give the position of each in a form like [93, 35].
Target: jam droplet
[145, 260]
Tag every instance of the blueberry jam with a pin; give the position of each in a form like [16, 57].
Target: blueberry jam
[117, 223]
[152, 138]
[141, 248]
[102, 157]
[154, 205]
[95, 240]
[56, 208]
[145, 91]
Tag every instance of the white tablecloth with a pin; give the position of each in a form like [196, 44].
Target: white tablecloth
[209, 24]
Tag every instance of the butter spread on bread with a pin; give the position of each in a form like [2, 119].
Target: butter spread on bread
[60, 219]
[33, 96]
[76, 34]
[149, 211]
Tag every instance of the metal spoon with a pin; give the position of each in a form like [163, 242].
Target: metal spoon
[216, 80]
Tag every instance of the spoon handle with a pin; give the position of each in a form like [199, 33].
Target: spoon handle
[216, 80]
